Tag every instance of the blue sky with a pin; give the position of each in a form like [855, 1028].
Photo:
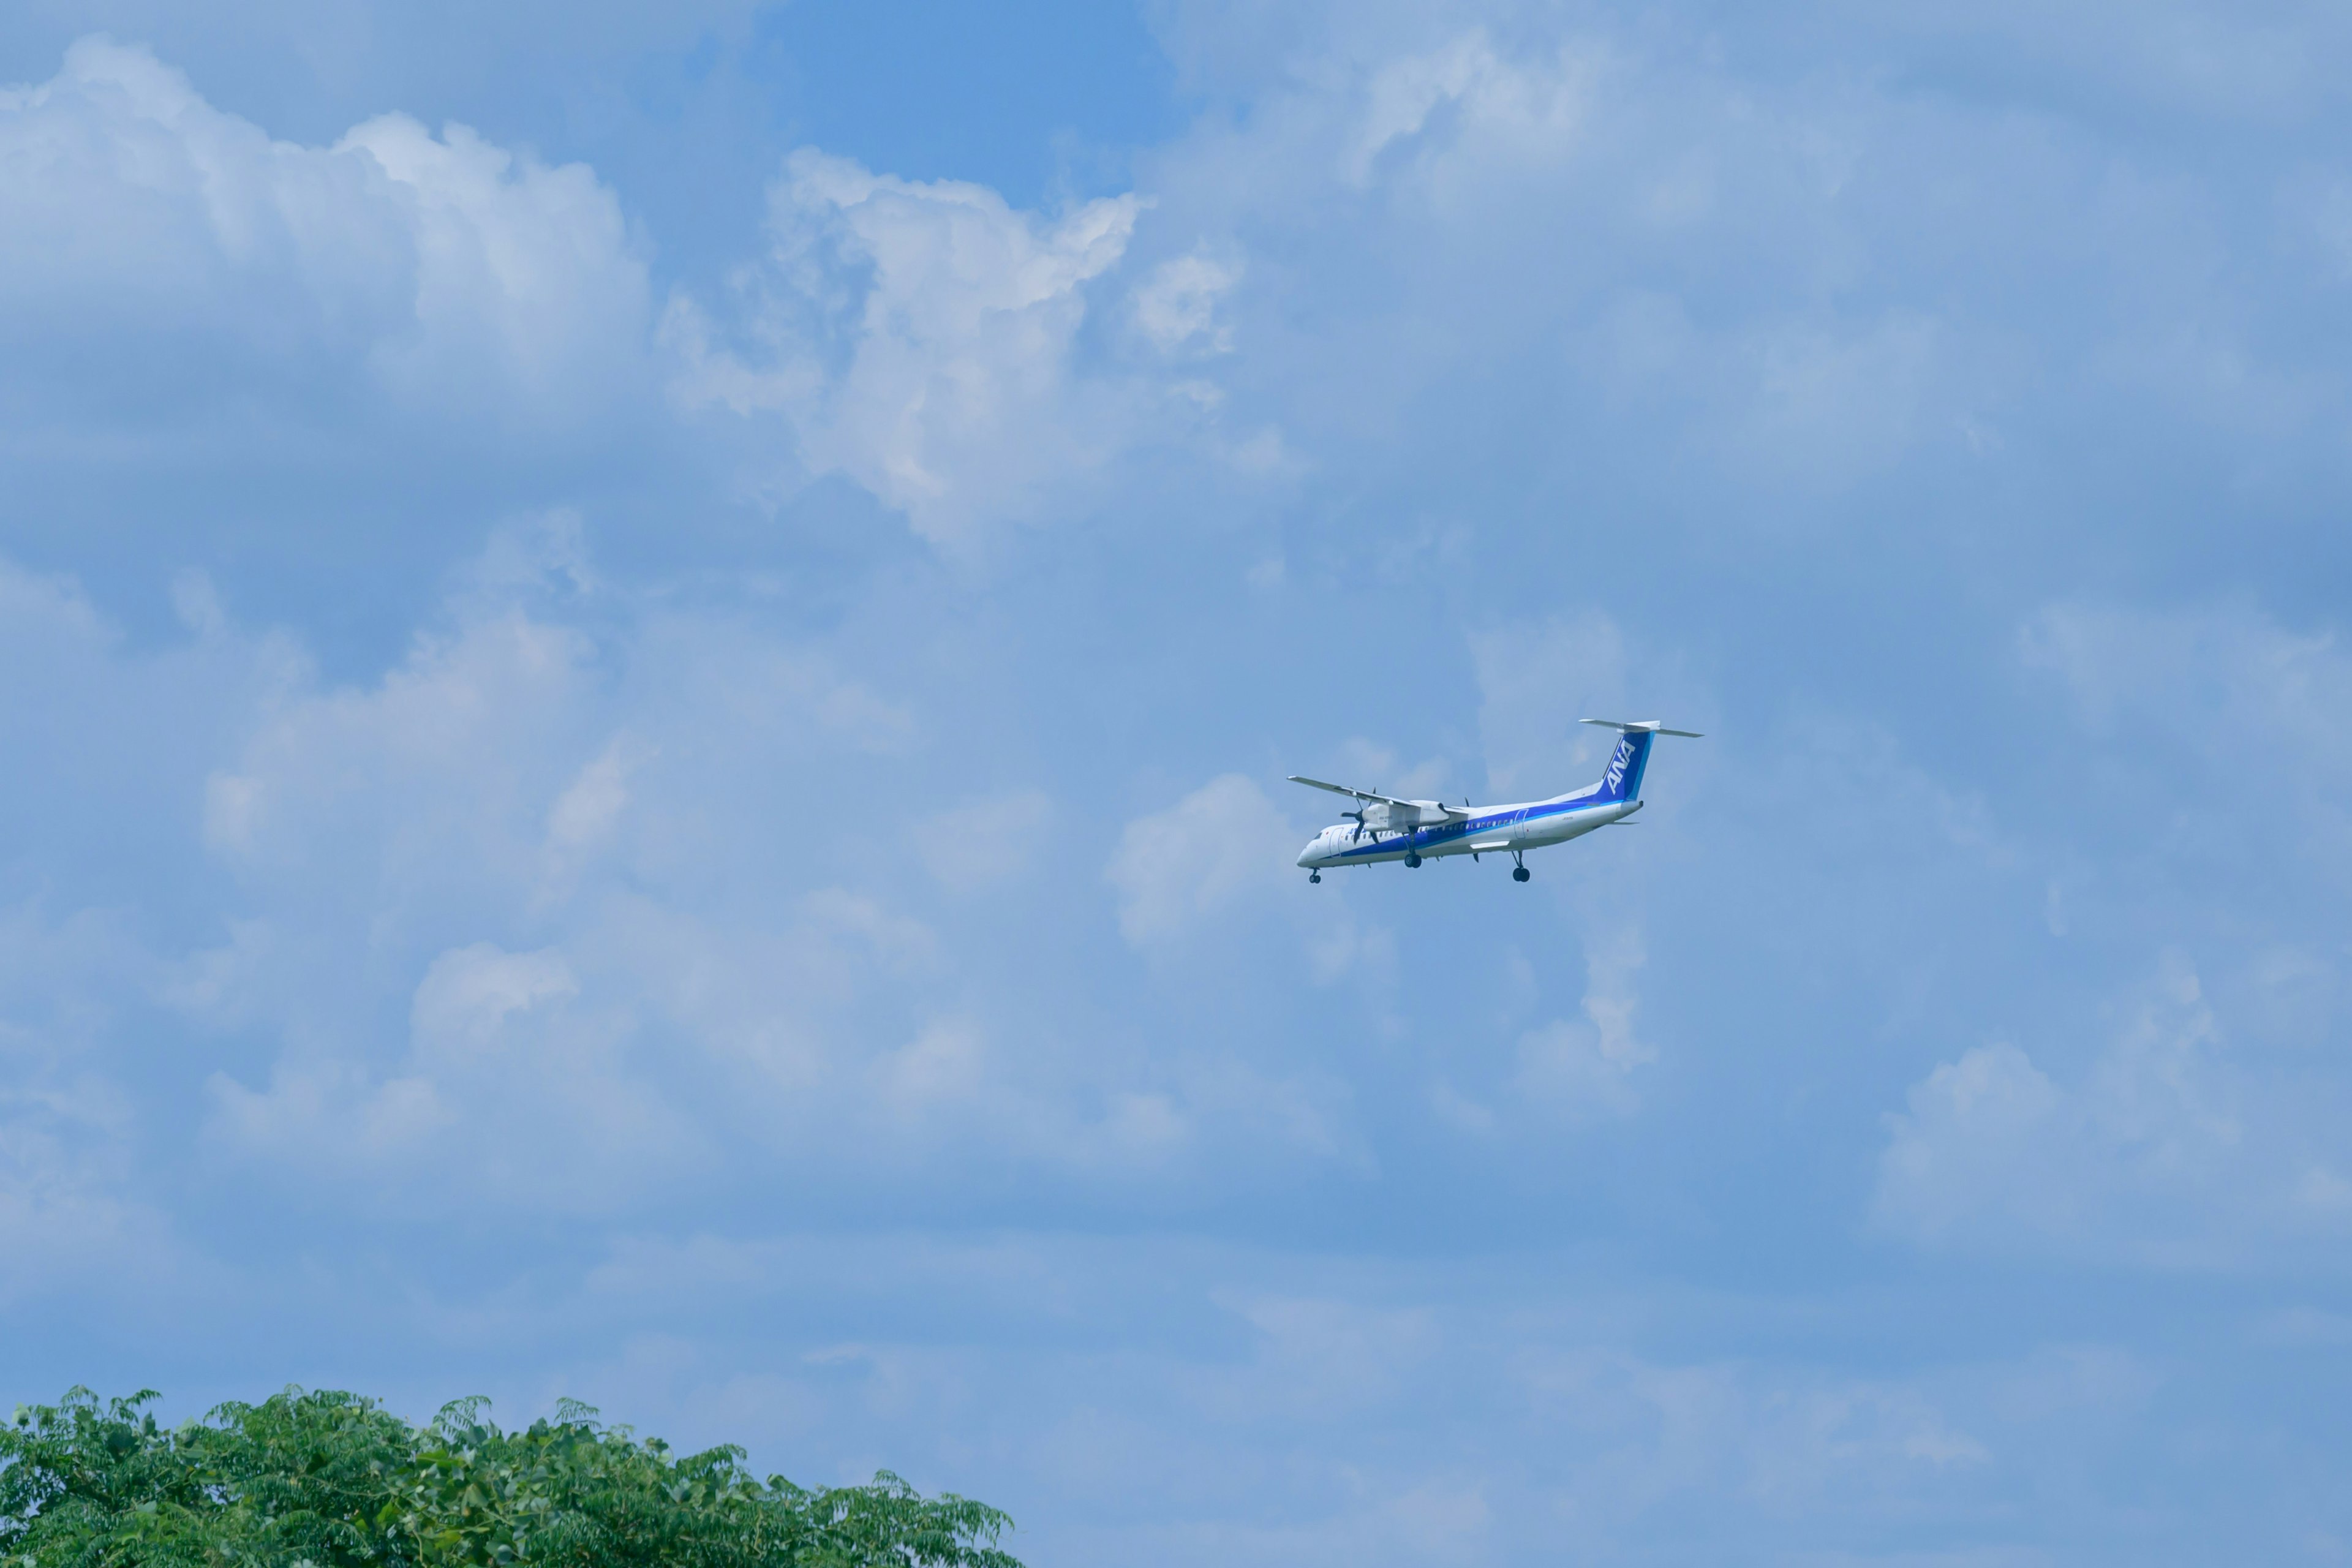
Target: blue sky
[649, 655]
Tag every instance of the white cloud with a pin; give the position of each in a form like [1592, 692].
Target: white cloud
[1176, 306]
[1585, 1068]
[1777, 1437]
[1827, 403]
[1815, 400]
[586, 814]
[76, 1135]
[1324, 1356]
[946, 1063]
[1535, 681]
[1367, 764]
[1512, 108]
[469, 994]
[900, 941]
[1970, 1126]
[329, 1120]
[444, 274]
[42, 611]
[67, 1133]
[567, 839]
[1787, 280]
[525, 267]
[499, 759]
[1460, 1111]
[957, 1090]
[495, 702]
[2218, 716]
[971, 847]
[2227, 688]
[920, 339]
[502, 818]
[1285, 1427]
[1205, 857]
[2143, 1155]
[508, 1090]
[923, 340]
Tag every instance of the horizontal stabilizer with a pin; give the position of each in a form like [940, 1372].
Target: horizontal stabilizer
[1645, 726]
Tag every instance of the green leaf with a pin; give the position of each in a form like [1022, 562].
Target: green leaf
[328, 1479]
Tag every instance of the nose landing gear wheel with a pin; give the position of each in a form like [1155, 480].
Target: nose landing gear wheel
[1314, 875]
[1518, 873]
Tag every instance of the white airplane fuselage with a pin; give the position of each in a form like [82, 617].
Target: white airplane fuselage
[1488, 830]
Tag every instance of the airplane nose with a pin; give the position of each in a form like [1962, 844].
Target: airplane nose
[1305, 856]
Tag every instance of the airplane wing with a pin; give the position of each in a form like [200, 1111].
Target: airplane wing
[1343, 789]
[1416, 805]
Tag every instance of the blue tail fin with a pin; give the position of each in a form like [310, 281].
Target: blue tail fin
[1623, 780]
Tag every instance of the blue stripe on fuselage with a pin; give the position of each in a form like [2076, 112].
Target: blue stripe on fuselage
[1429, 837]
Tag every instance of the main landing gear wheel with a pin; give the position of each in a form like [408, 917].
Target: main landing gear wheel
[1412, 860]
[1518, 873]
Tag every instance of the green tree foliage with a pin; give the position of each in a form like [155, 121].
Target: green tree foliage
[331, 1480]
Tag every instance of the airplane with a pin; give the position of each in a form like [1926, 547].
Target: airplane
[1421, 830]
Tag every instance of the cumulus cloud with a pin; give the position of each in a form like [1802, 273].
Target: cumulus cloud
[2189, 1128]
[2143, 1153]
[165, 263]
[586, 814]
[2224, 690]
[531, 911]
[81, 1136]
[1522, 105]
[2217, 702]
[1203, 858]
[68, 1133]
[506, 1088]
[1176, 305]
[1535, 681]
[1371, 765]
[512, 817]
[919, 338]
[438, 276]
[971, 847]
[1728, 266]
[496, 703]
[1585, 1068]
[1971, 1124]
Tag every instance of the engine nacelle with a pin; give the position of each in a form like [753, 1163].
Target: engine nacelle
[1402, 816]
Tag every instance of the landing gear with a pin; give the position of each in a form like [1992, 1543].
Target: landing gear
[1518, 873]
[1412, 859]
[1314, 875]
